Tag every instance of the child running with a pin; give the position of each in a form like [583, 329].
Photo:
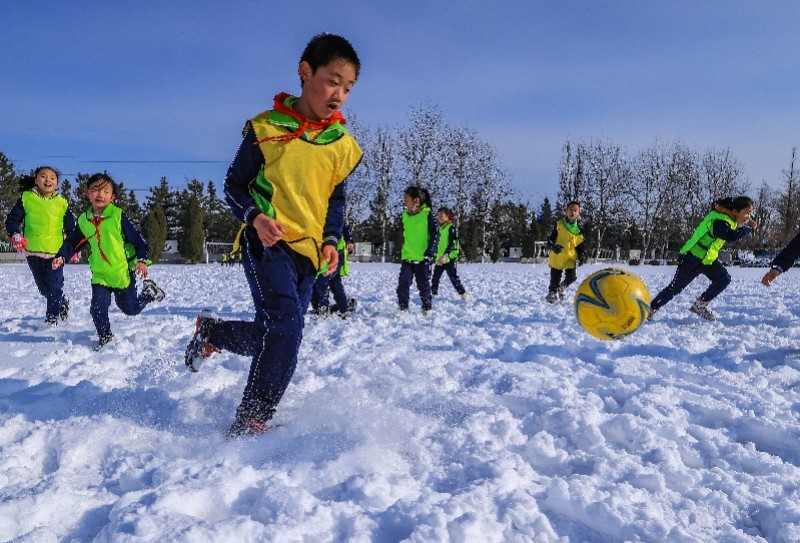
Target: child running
[320, 300]
[118, 252]
[566, 252]
[729, 220]
[37, 224]
[447, 253]
[420, 241]
[287, 183]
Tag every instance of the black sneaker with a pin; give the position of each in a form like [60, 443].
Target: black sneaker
[152, 291]
[552, 297]
[199, 348]
[351, 304]
[248, 427]
[51, 320]
[104, 339]
[64, 312]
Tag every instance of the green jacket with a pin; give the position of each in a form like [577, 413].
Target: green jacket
[448, 242]
[420, 235]
[703, 244]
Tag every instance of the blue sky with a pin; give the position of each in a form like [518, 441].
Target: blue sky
[145, 89]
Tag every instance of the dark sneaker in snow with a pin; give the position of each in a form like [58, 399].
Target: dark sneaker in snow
[51, 320]
[562, 293]
[249, 427]
[351, 304]
[152, 291]
[552, 297]
[105, 339]
[199, 348]
[64, 312]
[700, 307]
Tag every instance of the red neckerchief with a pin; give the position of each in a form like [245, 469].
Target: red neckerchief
[96, 222]
[305, 124]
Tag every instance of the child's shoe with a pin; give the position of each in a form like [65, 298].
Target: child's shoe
[51, 320]
[248, 427]
[562, 293]
[552, 297]
[199, 348]
[152, 291]
[351, 305]
[105, 339]
[64, 312]
[700, 307]
[465, 297]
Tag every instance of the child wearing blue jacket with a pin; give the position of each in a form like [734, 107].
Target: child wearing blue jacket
[37, 224]
[320, 301]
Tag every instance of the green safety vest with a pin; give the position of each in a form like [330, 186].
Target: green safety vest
[415, 234]
[44, 222]
[703, 244]
[110, 258]
[444, 240]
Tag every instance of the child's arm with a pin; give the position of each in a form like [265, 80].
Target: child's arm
[783, 261]
[433, 237]
[140, 247]
[69, 222]
[722, 230]
[14, 222]
[72, 243]
[551, 240]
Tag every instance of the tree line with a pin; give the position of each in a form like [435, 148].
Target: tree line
[651, 200]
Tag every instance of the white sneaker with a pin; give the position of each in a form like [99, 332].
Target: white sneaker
[465, 297]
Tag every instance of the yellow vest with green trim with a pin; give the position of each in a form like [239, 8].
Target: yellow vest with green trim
[703, 244]
[44, 222]
[568, 257]
[106, 241]
[299, 177]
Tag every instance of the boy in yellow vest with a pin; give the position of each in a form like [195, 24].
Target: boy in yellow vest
[37, 224]
[566, 251]
[286, 183]
[728, 221]
[118, 253]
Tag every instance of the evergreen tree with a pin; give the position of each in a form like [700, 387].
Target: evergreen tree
[221, 224]
[154, 231]
[191, 242]
[166, 198]
[9, 191]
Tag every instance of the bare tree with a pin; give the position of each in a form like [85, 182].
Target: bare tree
[379, 163]
[422, 150]
[360, 187]
[788, 201]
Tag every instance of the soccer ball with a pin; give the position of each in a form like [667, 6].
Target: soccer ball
[612, 303]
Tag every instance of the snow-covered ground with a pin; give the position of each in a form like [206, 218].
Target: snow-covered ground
[494, 420]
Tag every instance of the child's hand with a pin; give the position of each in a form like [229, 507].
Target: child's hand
[442, 260]
[770, 276]
[556, 248]
[752, 224]
[57, 263]
[19, 243]
[141, 269]
[269, 230]
[331, 256]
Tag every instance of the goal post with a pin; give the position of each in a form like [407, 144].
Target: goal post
[216, 249]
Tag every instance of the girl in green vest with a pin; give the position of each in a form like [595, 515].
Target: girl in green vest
[447, 253]
[420, 240]
[566, 252]
[729, 220]
[118, 253]
[37, 224]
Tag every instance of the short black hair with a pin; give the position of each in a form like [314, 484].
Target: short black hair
[103, 179]
[324, 48]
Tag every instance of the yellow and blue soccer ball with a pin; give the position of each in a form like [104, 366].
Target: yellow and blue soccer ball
[612, 303]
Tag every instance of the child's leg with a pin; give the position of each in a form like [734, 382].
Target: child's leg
[404, 284]
[555, 279]
[35, 265]
[129, 301]
[98, 308]
[49, 282]
[339, 295]
[280, 282]
[569, 277]
[319, 293]
[437, 276]
[422, 273]
[720, 279]
[689, 268]
[450, 267]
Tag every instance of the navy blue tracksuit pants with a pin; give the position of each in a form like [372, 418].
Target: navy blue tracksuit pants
[127, 300]
[688, 269]
[410, 271]
[319, 296]
[450, 268]
[280, 282]
[49, 282]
